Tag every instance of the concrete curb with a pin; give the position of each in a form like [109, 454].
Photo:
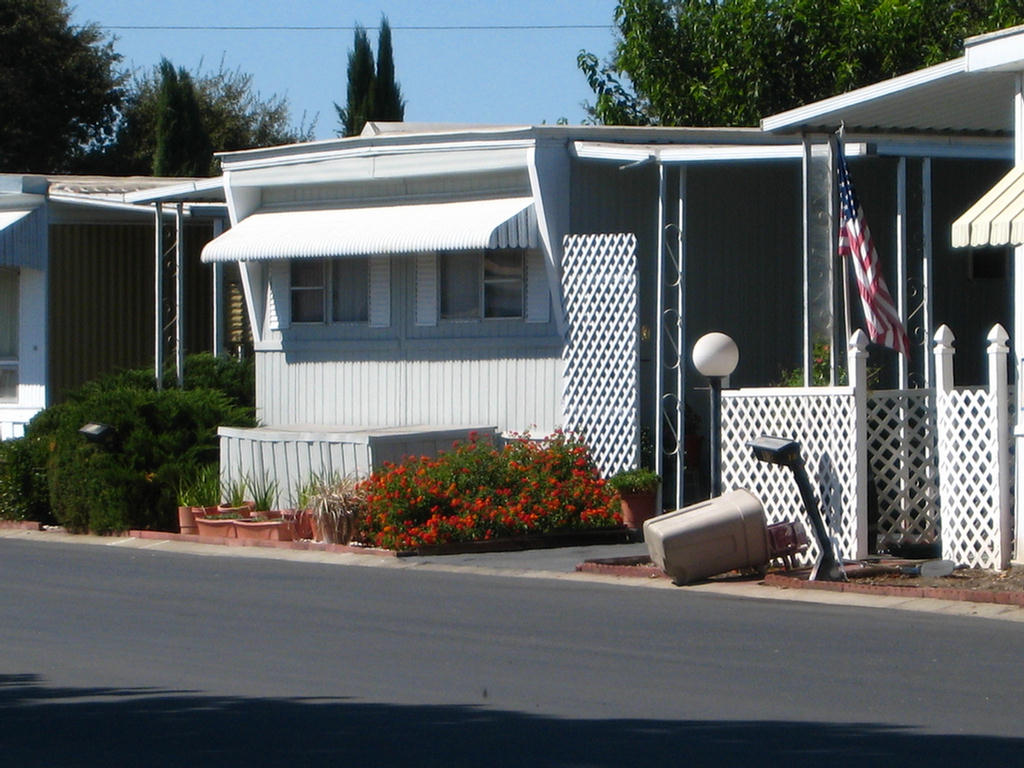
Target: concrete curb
[936, 593]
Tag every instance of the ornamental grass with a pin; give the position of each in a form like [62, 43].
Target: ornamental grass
[479, 491]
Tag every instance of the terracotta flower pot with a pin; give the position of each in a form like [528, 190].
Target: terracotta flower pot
[637, 508]
[302, 522]
[187, 520]
[242, 511]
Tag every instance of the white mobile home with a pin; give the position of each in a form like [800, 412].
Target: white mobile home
[525, 278]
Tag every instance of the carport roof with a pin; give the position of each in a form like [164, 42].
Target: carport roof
[969, 95]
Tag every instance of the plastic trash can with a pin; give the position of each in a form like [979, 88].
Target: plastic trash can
[714, 536]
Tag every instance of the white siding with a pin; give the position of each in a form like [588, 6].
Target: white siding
[538, 297]
[279, 296]
[510, 393]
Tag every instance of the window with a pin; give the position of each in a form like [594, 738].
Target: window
[988, 264]
[350, 291]
[503, 284]
[476, 285]
[348, 300]
[8, 334]
[308, 291]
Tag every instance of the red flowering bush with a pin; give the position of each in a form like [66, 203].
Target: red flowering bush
[479, 491]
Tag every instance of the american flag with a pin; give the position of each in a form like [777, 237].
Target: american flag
[880, 314]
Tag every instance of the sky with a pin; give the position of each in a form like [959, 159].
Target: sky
[494, 76]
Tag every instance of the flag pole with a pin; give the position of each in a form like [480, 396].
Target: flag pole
[847, 327]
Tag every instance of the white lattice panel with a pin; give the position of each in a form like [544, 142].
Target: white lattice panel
[902, 452]
[968, 460]
[825, 427]
[601, 388]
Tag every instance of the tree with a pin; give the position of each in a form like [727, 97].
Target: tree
[387, 95]
[234, 114]
[371, 94]
[183, 145]
[731, 62]
[59, 87]
[359, 105]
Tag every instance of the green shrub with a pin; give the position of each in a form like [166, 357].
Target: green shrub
[637, 480]
[235, 378]
[159, 439]
[23, 491]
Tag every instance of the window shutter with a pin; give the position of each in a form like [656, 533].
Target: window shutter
[426, 289]
[380, 291]
[279, 311]
[538, 302]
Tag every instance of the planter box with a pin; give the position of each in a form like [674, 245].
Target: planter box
[224, 529]
[263, 530]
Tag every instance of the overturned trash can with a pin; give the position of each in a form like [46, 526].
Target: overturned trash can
[726, 533]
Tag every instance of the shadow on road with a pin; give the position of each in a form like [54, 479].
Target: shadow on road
[42, 725]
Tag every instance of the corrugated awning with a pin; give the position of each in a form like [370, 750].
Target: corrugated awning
[998, 216]
[22, 238]
[267, 236]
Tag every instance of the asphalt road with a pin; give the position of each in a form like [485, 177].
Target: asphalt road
[133, 657]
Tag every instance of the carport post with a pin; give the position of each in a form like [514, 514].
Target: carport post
[158, 297]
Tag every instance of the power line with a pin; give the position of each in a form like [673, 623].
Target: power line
[349, 28]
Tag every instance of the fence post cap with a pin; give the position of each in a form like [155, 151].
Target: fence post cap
[859, 340]
[944, 336]
[998, 335]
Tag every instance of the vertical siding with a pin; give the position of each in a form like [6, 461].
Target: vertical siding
[513, 393]
[745, 263]
[101, 300]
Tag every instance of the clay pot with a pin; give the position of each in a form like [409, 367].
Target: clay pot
[637, 508]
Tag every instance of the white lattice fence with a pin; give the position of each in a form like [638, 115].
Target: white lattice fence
[903, 454]
[974, 461]
[601, 381]
[968, 448]
[823, 421]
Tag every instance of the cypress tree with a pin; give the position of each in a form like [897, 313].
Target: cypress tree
[183, 145]
[387, 96]
[359, 107]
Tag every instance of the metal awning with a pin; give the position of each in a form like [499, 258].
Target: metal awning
[998, 216]
[326, 233]
[22, 238]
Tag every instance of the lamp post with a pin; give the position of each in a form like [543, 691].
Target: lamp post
[715, 355]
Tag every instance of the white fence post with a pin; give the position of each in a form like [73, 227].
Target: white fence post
[857, 365]
[944, 359]
[998, 388]
[974, 465]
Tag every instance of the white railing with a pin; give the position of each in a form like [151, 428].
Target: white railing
[936, 462]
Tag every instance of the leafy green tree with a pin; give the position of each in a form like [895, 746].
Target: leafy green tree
[235, 115]
[731, 62]
[372, 94]
[183, 145]
[60, 89]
